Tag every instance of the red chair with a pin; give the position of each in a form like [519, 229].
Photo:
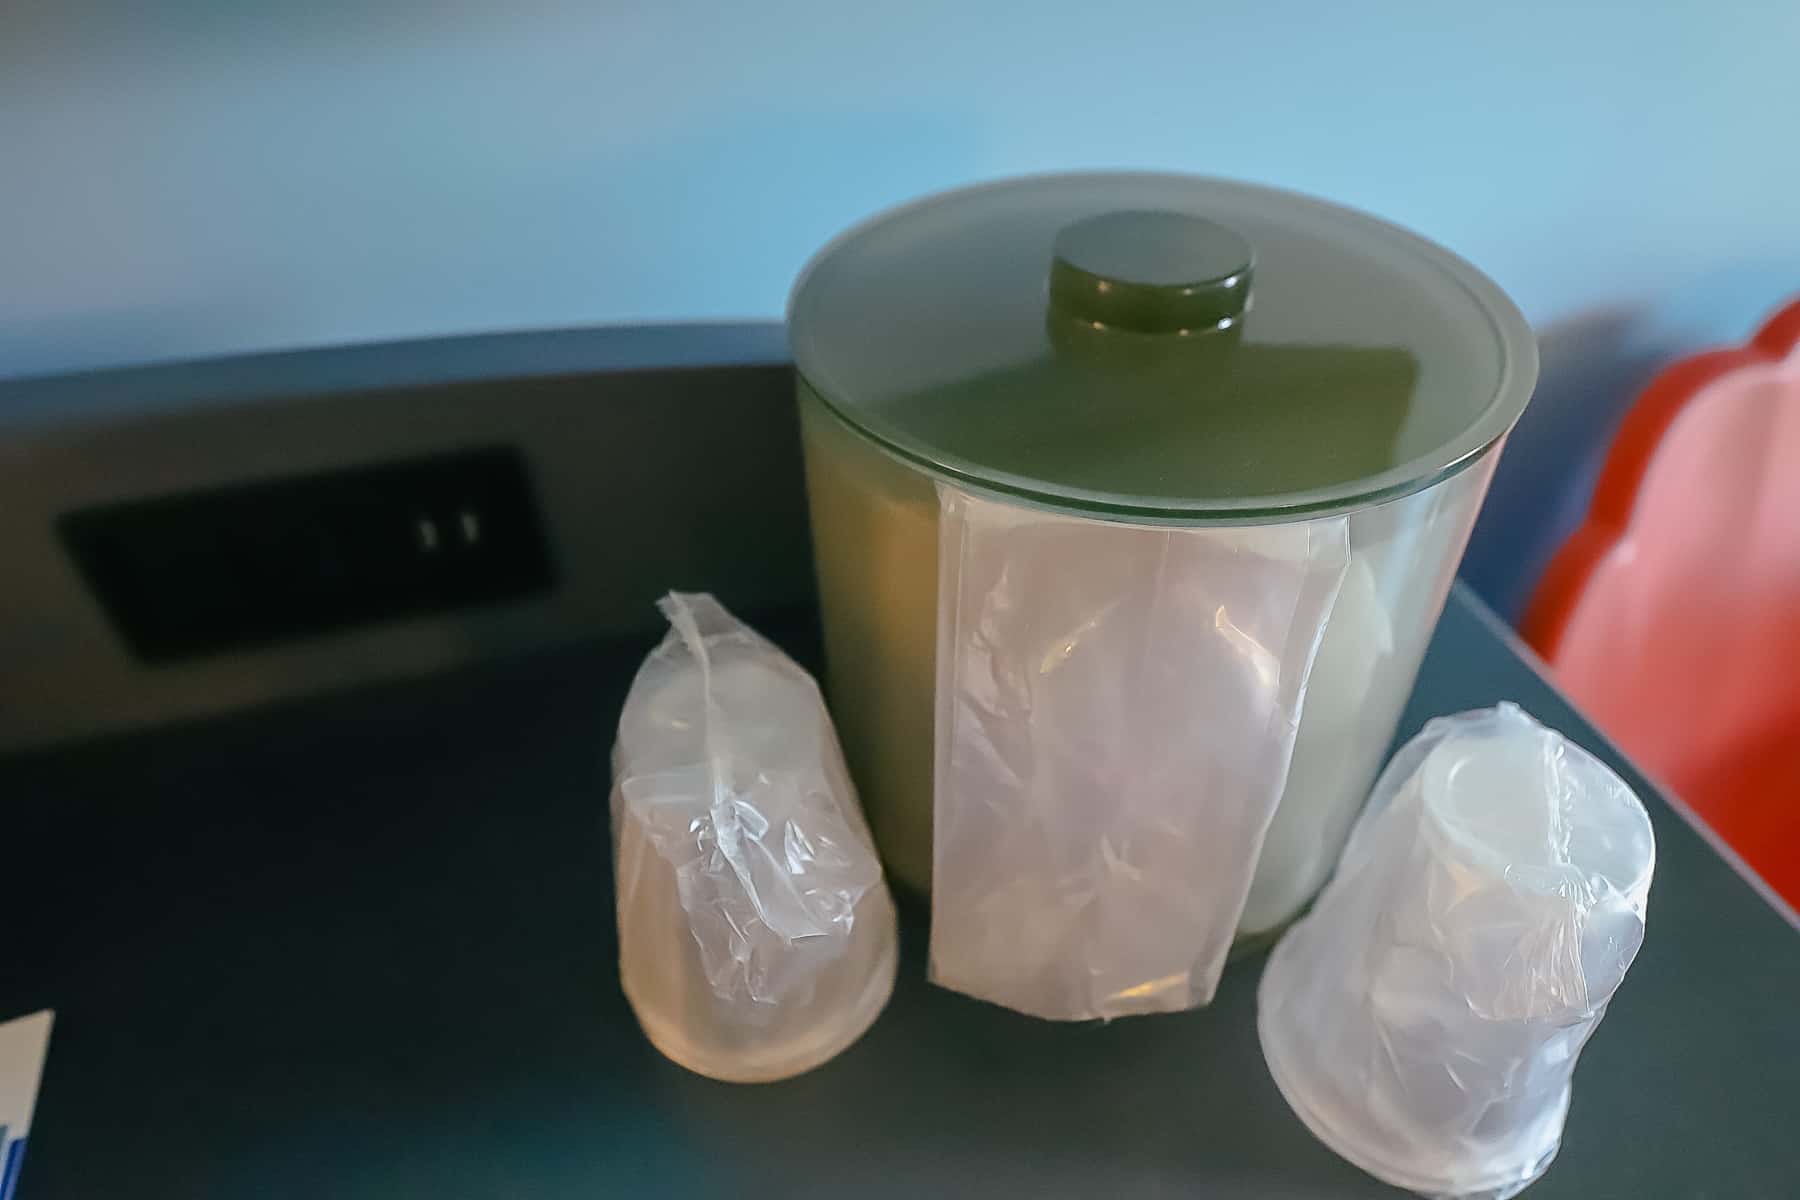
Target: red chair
[1672, 615]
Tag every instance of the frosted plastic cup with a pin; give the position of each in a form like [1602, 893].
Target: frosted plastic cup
[757, 938]
[1424, 1020]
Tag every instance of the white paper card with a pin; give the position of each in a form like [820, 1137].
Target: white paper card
[22, 1046]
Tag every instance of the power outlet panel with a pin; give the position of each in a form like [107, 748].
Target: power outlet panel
[257, 564]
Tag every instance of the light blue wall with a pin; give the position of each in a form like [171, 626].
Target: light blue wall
[205, 176]
[198, 177]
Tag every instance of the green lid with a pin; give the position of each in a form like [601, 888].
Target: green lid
[1161, 346]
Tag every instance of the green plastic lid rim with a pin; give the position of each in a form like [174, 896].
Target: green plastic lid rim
[1518, 376]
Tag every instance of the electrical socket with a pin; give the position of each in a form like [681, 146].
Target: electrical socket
[261, 563]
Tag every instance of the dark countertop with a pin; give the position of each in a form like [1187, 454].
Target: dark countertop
[363, 947]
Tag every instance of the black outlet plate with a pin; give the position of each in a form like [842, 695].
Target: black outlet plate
[261, 563]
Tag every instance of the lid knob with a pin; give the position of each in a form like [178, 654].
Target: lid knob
[1150, 272]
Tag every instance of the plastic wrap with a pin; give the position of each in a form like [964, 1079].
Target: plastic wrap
[756, 935]
[1403, 557]
[1116, 711]
[1424, 1020]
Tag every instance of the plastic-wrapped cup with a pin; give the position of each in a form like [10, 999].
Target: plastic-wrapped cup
[1424, 1021]
[756, 936]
